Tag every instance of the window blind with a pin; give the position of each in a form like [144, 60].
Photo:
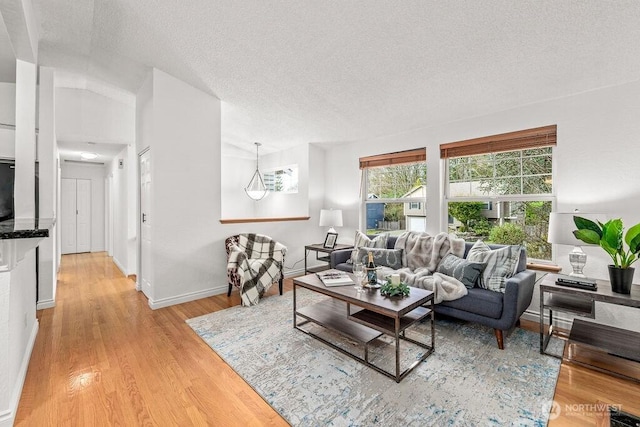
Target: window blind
[392, 159]
[520, 140]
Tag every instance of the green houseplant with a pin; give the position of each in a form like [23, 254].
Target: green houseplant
[610, 236]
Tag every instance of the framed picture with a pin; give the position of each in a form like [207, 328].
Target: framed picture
[330, 240]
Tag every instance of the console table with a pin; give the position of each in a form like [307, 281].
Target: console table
[604, 348]
[319, 248]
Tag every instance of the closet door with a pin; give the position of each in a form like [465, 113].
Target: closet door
[68, 215]
[76, 215]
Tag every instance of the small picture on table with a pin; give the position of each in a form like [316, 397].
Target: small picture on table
[330, 240]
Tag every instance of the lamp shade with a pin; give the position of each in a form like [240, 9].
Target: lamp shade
[330, 218]
[561, 227]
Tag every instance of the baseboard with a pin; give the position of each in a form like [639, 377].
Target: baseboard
[294, 273]
[192, 296]
[8, 417]
[48, 303]
[120, 267]
[558, 321]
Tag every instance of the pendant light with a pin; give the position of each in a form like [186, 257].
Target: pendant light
[256, 189]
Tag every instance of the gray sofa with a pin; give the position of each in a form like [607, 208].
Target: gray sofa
[497, 310]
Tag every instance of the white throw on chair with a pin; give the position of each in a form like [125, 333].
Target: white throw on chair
[254, 263]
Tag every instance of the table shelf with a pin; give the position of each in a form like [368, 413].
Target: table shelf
[387, 324]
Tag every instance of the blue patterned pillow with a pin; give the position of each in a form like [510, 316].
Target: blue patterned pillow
[459, 268]
[501, 264]
[391, 258]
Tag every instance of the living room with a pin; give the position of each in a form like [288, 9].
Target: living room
[583, 81]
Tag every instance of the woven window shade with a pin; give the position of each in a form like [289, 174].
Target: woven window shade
[520, 140]
[392, 159]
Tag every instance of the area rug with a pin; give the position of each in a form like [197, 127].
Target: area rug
[466, 381]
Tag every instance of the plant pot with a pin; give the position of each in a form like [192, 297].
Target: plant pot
[621, 279]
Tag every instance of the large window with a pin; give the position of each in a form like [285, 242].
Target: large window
[395, 189]
[500, 188]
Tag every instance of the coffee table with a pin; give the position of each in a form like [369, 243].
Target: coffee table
[364, 317]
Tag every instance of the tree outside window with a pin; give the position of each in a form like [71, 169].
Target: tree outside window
[519, 185]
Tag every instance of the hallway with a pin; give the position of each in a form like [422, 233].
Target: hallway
[103, 357]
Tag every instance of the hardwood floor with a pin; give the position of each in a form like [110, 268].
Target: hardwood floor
[103, 357]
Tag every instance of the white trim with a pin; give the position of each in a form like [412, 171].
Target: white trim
[120, 267]
[558, 321]
[191, 296]
[48, 303]
[293, 273]
[8, 417]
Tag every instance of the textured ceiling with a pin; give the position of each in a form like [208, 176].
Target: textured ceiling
[297, 71]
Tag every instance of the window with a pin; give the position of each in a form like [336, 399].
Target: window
[395, 188]
[283, 179]
[500, 188]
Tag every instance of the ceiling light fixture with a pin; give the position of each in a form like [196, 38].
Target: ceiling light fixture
[256, 190]
[88, 156]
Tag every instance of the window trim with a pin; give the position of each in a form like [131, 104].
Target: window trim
[394, 159]
[545, 136]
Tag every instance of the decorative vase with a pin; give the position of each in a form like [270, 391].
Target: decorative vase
[621, 279]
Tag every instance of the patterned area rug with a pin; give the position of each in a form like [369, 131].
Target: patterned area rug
[466, 381]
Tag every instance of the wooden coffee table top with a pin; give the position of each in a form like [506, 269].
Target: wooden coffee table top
[369, 298]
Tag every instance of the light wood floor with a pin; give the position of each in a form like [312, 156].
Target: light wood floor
[103, 357]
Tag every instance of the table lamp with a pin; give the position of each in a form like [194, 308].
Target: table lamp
[331, 218]
[561, 227]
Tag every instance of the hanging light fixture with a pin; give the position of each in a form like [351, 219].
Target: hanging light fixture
[256, 189]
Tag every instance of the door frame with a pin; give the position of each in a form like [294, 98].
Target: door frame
[139, 221]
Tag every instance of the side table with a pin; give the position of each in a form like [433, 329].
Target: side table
[601, 347]
[319, 248]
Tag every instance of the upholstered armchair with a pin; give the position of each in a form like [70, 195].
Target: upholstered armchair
[254, 263]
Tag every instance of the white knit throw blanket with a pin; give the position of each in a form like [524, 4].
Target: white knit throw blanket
[421, 254]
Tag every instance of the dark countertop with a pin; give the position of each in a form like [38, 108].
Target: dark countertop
[25, 228]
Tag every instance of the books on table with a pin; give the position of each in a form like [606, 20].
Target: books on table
[335, 278]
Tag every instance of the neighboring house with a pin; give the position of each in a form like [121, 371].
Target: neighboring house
[375, 212]
[415, 213]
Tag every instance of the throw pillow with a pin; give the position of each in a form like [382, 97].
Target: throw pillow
[459, 268]
[391, 258]
[363, 241]
[501, 264]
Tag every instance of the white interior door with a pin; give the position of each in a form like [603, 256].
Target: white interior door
[76, 215]
[146, 220]
[68, 215]
[83, 220]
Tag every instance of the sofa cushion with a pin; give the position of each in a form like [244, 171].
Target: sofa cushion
[363, 241]
[464, 270]
[501, 264]
[479, 301]
[391, 258]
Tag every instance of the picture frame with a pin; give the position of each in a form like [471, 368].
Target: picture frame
[330, 240]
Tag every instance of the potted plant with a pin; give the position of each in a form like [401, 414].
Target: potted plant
[610, 238]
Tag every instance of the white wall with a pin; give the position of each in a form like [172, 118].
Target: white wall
[594, 160]
[236, 173]
[120, 208]
[181, 125]
[95, 173]
[82, 115]
[8, 117]
[47, 155]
